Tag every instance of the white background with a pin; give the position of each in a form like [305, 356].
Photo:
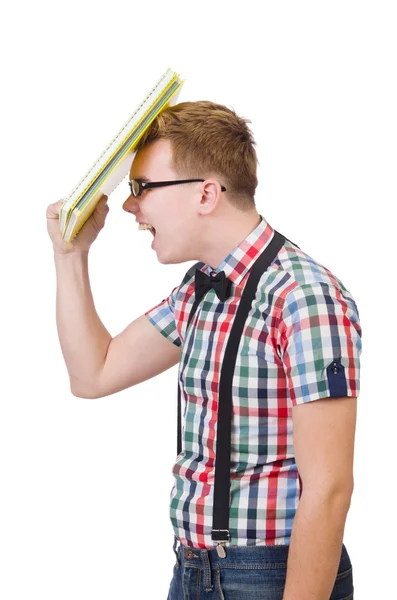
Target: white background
[85, 484]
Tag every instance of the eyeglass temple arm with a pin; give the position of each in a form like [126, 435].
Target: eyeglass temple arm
[163, 183]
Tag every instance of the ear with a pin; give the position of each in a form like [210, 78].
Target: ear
[211, 194]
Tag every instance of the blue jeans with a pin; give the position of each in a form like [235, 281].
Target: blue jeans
[246, 573]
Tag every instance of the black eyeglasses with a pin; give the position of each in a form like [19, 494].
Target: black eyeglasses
[137, 186]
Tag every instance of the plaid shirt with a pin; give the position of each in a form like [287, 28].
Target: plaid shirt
[302, 324]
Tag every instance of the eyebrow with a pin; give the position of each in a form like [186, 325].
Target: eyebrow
[142, 178]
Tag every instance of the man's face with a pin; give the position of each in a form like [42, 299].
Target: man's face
[170, 209]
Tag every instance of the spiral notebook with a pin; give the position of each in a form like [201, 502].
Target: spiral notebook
[115, 161]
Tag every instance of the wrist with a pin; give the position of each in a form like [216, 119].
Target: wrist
[70, 254]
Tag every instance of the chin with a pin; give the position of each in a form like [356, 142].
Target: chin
[173, 254]
[171, 259]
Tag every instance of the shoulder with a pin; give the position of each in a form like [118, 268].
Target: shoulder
[303, 276]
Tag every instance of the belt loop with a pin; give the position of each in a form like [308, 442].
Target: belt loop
[206, 571]
[175, 550]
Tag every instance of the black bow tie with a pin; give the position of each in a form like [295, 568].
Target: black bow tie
[219, 282]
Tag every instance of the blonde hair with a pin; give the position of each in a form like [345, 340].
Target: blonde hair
[209, 139]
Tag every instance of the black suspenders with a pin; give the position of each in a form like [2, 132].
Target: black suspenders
[220, 525]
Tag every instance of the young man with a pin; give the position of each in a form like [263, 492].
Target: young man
[290, 373]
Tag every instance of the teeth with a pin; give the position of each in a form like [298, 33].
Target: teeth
[143, 226]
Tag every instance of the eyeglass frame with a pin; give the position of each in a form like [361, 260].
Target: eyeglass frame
[146, 185]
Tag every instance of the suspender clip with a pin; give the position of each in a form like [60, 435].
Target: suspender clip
[221, 550]
[221, 536]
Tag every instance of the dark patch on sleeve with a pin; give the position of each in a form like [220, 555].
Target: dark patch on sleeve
[336, 379]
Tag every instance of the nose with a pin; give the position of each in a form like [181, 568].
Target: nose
[131, 204]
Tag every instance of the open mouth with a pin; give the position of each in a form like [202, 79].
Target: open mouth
[143, 226]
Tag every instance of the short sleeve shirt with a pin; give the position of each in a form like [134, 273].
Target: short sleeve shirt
[301, 342]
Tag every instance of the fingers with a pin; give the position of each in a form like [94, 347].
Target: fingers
[102, 205]
[54, 208]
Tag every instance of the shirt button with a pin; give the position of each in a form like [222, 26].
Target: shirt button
[213, 273]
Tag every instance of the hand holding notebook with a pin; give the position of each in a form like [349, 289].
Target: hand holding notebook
[83, 240]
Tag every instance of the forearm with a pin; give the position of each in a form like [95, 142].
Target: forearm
[83, 338]
[315, 546]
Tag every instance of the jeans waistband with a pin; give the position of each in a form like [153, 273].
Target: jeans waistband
[250, 556]
[210, 564]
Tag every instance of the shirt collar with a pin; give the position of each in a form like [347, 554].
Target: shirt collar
[240, 260]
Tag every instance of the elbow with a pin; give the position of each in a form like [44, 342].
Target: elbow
[339, 493]
[345, 491]
[87, 393]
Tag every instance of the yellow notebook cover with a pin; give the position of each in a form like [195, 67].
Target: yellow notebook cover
[115, 161]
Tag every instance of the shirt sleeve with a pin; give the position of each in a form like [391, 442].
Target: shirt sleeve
[320, 343]
[163, 318]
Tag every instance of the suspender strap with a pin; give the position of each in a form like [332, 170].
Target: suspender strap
[220, 531]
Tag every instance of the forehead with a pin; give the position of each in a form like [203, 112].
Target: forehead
[152, 161]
